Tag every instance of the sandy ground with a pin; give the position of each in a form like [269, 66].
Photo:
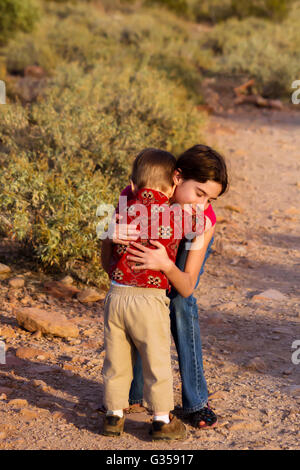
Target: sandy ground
[51, 401]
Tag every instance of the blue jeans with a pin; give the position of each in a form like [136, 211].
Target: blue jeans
[185, 329]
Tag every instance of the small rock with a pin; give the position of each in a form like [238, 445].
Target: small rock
[4, 269]
[18, 402]
[242, 425]
[2, 435]
[90, 295]
[16, 283]
[88, 333]
[48, 322]
[293, 390]
[256, 364]
[30, 353]
[218, 395]
[39, 384]
[29, 414]
[3, 396]
[67, 280]
[270, 294]
[60, 289]
[7, 332]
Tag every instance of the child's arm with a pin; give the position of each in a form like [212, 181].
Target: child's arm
[158, 260]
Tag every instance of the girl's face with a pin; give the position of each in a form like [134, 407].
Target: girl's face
[192, 192]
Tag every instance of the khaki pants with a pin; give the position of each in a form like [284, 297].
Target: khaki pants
[137, 318]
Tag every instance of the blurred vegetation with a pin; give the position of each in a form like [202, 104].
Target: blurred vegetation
[119, 76]
[215, 11]
[17, 15]
[116, 83]
[264, 50]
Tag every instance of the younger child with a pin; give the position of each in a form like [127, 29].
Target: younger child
[137, 308]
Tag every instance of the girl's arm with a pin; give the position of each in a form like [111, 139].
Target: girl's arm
[158, 260]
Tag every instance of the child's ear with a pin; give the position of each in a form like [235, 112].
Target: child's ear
[177, 177]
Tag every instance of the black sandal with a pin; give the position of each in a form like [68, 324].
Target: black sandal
[204, 418]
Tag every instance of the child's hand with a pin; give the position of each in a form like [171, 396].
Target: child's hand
[156, 260]
[123, 233]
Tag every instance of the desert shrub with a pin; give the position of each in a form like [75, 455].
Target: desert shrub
[17, 15]
[50, 149]
[215, 11]
[178, 6]
[212, 11]
[273, 9]
[260, 49]
[29, 50]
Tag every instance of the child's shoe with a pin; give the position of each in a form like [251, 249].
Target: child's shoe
[113, 426]
[175, 429]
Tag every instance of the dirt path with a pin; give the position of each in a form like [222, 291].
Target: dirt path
[247, 340]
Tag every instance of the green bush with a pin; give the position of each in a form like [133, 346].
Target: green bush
[29, 50]
[17, 15]
[50, 149]
[258, 49]
[273, 9]
[178, 6]
[215, 11]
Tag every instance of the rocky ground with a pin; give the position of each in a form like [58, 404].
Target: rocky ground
[248, 298]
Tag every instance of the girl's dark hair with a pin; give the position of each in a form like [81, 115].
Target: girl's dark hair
[201, 163]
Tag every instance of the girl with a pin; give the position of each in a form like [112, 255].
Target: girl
[200, 178]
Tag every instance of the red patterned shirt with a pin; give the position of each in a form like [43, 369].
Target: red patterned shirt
[156, 220]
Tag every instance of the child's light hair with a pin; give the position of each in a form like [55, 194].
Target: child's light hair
[153, 168]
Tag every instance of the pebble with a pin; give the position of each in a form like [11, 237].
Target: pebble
[19, 402]
[257, 364]
[270, 294]
[293, 390]
[4, 269]
[16, 282]
[60, 289]
[90, 295]
[31, 353]
[29, 414]
[241, 425]
[67, 280]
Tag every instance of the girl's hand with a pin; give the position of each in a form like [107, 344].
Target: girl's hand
[123, 233]
[156, 260]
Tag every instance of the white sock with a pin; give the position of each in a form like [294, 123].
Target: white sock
[115, 413]
[163, 418]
